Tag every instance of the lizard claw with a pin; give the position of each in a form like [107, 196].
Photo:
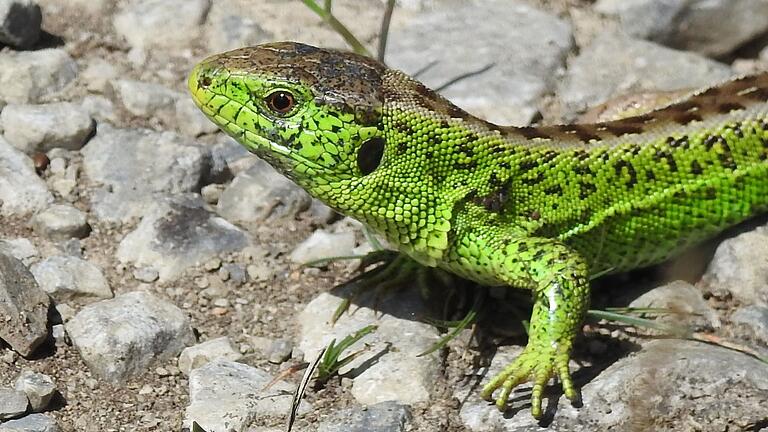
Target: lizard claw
[537, 365]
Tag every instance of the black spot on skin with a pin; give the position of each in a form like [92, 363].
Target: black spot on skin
[586, 189]
[534, 180]
[696, 167]
[619, 128]
[582, 132]
[650, 175]
[532, 132]
[370, 154]
[660, 154]
[621, 165]
[710, 141]
[727, 107]
[554, 190]
[686, 118]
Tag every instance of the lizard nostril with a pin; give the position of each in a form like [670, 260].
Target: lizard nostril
[205, 81]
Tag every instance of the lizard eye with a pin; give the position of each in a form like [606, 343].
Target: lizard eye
[280, 102]
[370, 154]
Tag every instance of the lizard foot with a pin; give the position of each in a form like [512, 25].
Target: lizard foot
[536, 364]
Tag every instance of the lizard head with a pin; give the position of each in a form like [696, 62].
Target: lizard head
[350, 131]
[313, 114]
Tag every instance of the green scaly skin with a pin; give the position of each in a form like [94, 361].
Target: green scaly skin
[538, 208]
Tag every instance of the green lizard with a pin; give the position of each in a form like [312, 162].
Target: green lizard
[538, 208]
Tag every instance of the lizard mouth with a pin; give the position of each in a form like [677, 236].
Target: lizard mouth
[199, 84]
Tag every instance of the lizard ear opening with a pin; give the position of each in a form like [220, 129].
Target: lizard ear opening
[370, 154]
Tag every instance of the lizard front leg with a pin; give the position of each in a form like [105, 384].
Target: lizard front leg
[558, 278]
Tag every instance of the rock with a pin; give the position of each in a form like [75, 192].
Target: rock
[668, 385]
[38, 387]
[228, 158]
[100, 108]
[31, 423]
[98, 75]
[13, 403]
[146, 274]
[632, 66]
[67, 278]
[20, 23]
[322, 244]
[381, 417]
[122, 337]
[144, 99]
[755, 319]
[190, 120]
[145, 23]
[198, 355]
[61, 222]
[280, 351]
[685, 300]
[57, 125]
[227, 31]
[225, 395]
[260, 194]
[178, 233]
[711, 27]
[24, 307]
[21, 190]
[733, 268]
[33, 76]
[388, 369]
[524, 60]
[150, 162]
[21, 249]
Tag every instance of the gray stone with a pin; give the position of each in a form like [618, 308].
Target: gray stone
[38, 387]
[190, 120]
[684, 300]
[144, 99]
[668, 385]
[178, 233]
[710, 27]
[100, 108]
[146, 274]
[145, 23]
[381, 417]
[21, 190]
[61, 222]
[198, 355]
[24, 307]
[67, 278]
[20, 23]
[524, 59]
[260, 194]
[632, 66]
[322, 244]
[33, 76]
[56, 125]
[31, 423]
[21, 249]
[98, 74]
[389, 368]
[754, 318]
[280, 350]
[13, 403]
[123, 337]
[227, 31]
[228, 158]
[227, 396]
[733, 268]
[150, 162]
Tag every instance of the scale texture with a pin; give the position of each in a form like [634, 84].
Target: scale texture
[538, 208]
